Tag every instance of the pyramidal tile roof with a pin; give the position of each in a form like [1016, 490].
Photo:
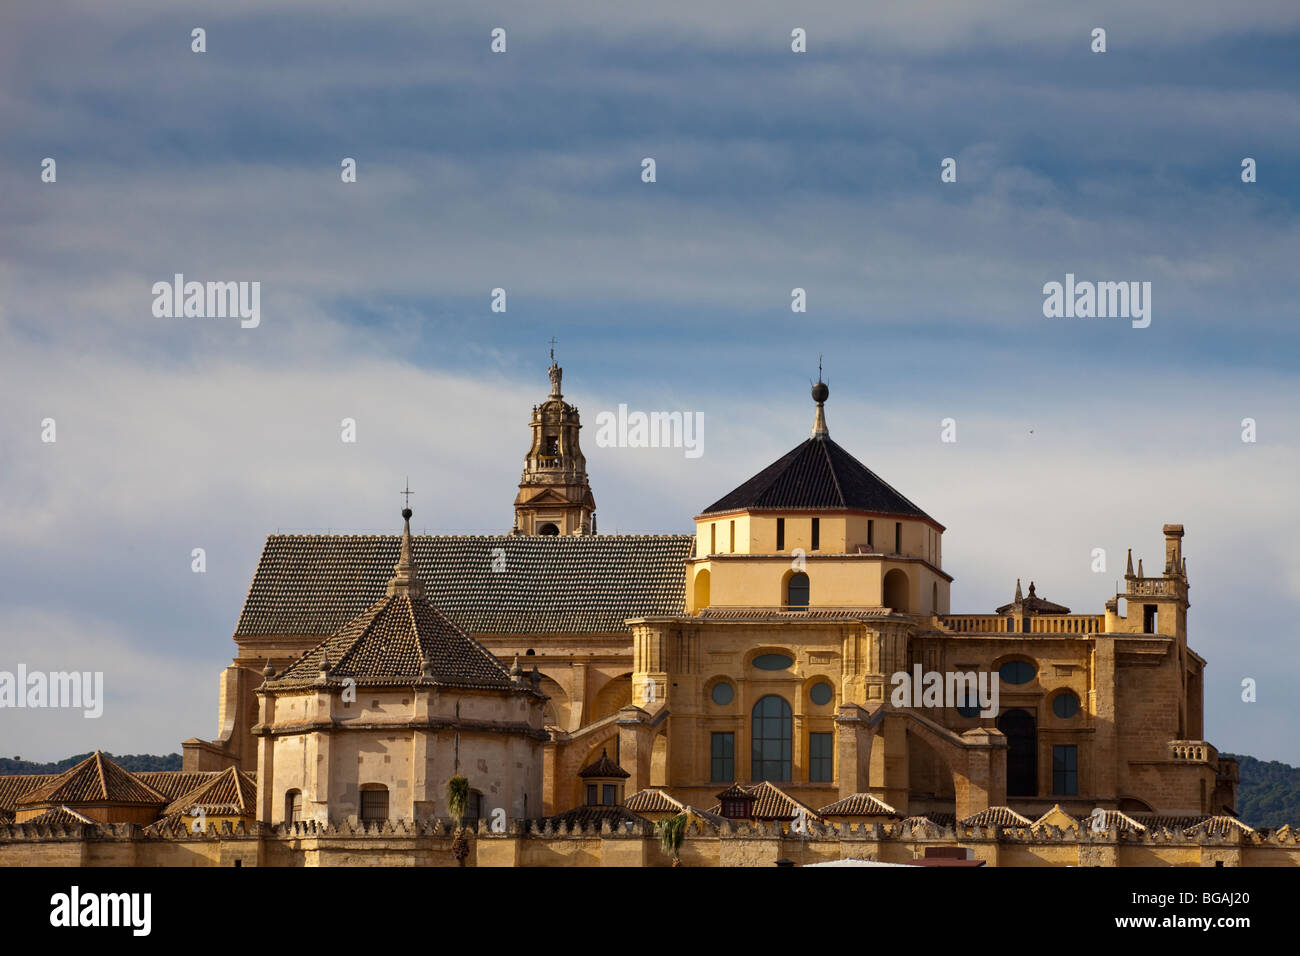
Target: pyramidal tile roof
[816, 474]
[393, 640]
[63, 815]
[1001, 816]
[653, 800]
[308, 585]
[859, 805]
[15, 786]
[174, 783]
[95, 780]
[770, 802]
[230, 791]
[604, 767]
[401, 638]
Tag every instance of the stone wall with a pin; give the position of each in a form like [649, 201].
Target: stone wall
[537, 844]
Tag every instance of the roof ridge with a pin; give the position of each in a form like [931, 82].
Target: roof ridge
[830, 466]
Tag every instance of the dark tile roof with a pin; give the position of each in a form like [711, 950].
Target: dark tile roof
[95, 779]
[735, 792]
[228, 792]
[1001, 816]
[314, 584]
[859, 805]
[399, 638]
[604, 767]
[589, 817]
[817, 474]
[1033, 604]
[16, 785]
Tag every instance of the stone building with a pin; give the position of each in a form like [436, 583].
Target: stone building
[763, 648]
[372, 722]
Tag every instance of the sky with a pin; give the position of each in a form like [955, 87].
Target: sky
[522, 170]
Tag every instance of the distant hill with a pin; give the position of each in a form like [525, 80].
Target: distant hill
[133, 762]
[1269, 792]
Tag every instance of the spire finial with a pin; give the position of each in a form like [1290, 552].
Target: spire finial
[405, 581]
[820, 393]
[1128, 572]
[1019, 597]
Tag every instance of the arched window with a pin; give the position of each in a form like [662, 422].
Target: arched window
[374, 802]
[796, 590]
[548, 528]
[771, 736]
[702, 590]
[293, 806]
[1022, 753]
[895, 590]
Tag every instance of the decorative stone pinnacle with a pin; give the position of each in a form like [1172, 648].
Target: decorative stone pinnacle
[820, 392]
[405, 581]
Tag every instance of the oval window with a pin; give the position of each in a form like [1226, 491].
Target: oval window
[1017, 672]
[723, 694]
[821, 693]
[773, 662]
[1065, 705]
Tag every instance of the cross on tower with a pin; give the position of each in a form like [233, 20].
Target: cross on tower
[552, 348]
[408, 492]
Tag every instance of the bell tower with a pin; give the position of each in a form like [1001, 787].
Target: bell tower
[554, 495]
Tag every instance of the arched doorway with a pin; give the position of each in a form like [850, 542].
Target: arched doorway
[771, 737]
[896, 590]
[1022, 752]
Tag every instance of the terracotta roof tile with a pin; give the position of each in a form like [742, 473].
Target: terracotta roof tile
[173, 783]
[859, 805]
[1000, 816]
[770, 802]
[17, 785]
[653, 801]
[62, 816]
[95, 779]
[229, 792]
[315, 584]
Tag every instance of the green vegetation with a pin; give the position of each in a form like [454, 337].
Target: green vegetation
[1269, 792]
[132, 762]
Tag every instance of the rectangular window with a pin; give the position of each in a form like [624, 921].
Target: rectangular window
[898, 537]
[608, 794]
[1065, 770]
[374, 804]
[871, 533]
[591, 795]
[816, 533]
[1149, 619]
[780, 534]
[713, 538]
[733, 537]
[821, 763]
[723, 758]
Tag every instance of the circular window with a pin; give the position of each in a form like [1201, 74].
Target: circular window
[773, 662]
[1065, 705]
[821, 693]
[968, 710]
[723, 694]
[1017, 672]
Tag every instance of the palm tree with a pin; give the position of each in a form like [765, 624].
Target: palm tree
[457, 805]
[672, 833]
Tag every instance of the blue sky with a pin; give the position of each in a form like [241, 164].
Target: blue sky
[522, 171]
